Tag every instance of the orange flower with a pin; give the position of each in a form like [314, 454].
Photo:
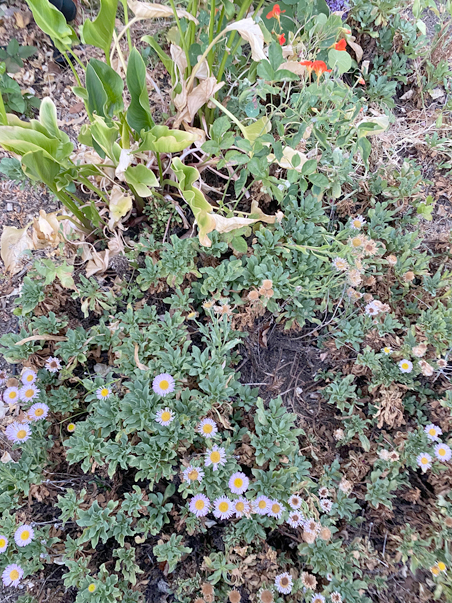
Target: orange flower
[308, 65]
[341, 44]
[275, 12]
[361, 81]
[319, 67]
[282, 39]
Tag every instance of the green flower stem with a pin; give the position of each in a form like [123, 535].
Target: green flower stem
[183, 37]
[68, 60]
[66, 200]
[126, 21]
[159, 161]
[3, 117]
[211, 33]
[230, 115]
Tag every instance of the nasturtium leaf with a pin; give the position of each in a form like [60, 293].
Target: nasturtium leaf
[340, 59]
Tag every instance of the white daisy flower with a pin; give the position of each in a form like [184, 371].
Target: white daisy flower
[261, 505]
[11, 395]
[28, 376]
[199, 505]
[38, 411]
[238, 483]
[276, 509]
[207, 428]
[53, 365]
[24, 535]
[71, 427]
[103, 392]
[433, 431]
[3, 543]
[12, 575]
[18, 432]
[284, 583]
[28, 392]
[443, 452]
[241, 507]
[222, 507]
[163, 384]
[192, 474]
[340, 264]
[216, 456]
[295, 501]
[405, 366]
[336, 597]
[326, 505]
[424, 460]
[317, 598]
[323, 492]
[387, 350]
[164, 416]
[357, 222]
[372, 309]
[295, 519]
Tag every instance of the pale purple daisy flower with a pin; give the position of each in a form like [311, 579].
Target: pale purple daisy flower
[222, 508]
[3, 543]
[261, 505]
[238, 483]
[284, 583]
[424, 460]
[163, 384]
[12, 575]
[358, 222]
[295, 519]
[295, 501]
[216, 456]
[38, 411]
[311, 526]
[18, 432]
[241, 507]
[28, 392]
[28, 376]
[443, 452]
[199, 505]
[326, 505]
[406, 366]
[103, 392]
[207, 428]
[275, 509]
[53, 365]
[317, 598]
[433, 431]
[192, 474]
[164, 416]
[24, 535]
[11, 395]
[323, 492]
[4, 377]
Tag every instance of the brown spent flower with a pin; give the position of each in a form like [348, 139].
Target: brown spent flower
[408, 276]
[368, 297]
[309, 537]
[325, 533]
[199, 600]
[448, 522]
[308, 580]
[441, 363]
[392, 260]
[370, 247]
[207, 589]
[419, 350]
[253, 295]
[346, 486]
[267, 284]
[269, 293]
[209, 598]
[266, 596]
[426, 368]
[234, 596]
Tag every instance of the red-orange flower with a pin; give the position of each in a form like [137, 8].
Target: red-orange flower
[341, 44]
[282, 39]
[319, 67]
[275, 12]
[308, 65]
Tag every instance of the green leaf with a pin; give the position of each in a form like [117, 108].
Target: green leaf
[48, 118]
[258, 128]
[141, 177]
[366, 148]
[309, 167]
[219, 127]
[100, 31]
[106, 135]
[52, 22]
[104, 87]
[166, 60]
[22, 140]
[319, 180]
[340, 59]
[139, 113]
[239, 244]
[266, 71]
[275, 55]
[161, 139]
[38, 166]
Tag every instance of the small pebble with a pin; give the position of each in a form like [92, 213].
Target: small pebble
[9, 207]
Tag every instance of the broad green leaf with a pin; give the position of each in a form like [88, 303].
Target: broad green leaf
[38, 166]
[97, 97]
[139, 113]
[48, 118]
[52, 22]
[100, 31]
[239, 244]
[21, 140]
[319, 180]
[166, 60]
[111, 83]
[141, 178]
[275, 55]
[340, 59]
[309, 167]
[266, 71]
[161, 139]
[106, 135]
[258, 128]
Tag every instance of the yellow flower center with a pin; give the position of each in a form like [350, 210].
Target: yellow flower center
[405, 365]
[29, 378]
[164, 384]
[25, 535]
[2, 543]
[92, 588]
[104, 392]
[356, 242]
[262, 504]
[39, 412]
[276, 508]
[14, 574]
[200, 504]
[12, 395]
[432, 432]
[240, 506]
[238, 482]
[207, 428]
[215, 456]
[166, 416]
[356, 223]
[193, 474]
[387, 350]
[441, 566]
[71, 427]
[21, 434]
[424, 460]
[223, 507]
[29, 393]
[435, 570]
[441, 451]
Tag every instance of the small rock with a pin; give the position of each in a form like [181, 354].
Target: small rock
[9, 207]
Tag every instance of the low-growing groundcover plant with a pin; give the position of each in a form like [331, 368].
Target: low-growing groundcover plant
[139, 461]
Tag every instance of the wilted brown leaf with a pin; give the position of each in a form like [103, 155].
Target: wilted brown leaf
[252, 33]
[13, 243]
[143, 10]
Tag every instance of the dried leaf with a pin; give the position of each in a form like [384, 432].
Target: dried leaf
[294, 67]
[287, 160]
[143, 10]
[125, 159]
[356, 47]
[179, 58]
[195, 100]
[98, 263]
[23, 18]
[139, 364]
[13, 243]
[120, 205]
[6, 457]
[45, 231]
[200, 135]
[42, 338]
[252, 33]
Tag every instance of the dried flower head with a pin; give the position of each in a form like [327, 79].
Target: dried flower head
[164, 416]
[336, 597]
[199, 600]
[234, 596]
[339, 434]
[442, 363]
[326, 505]
[265, 595]
[325, 533]
[353, 294]
[253, 295]
[392, 260]
[354, 277]
[199, 505]
[163, 384]
[207, 428]
[3, 377]
[443, 452]
[394, 456]
[207, 589]
[419, 350]
[323, 492]
[357, 241]
[192, 474]
[309, 581]
[408, 276]
[426, 369]
[448, 521]
[238, 483]
[340, 264]
[345, 485]
[53, 365]
[284, 583]
[215, 457]
[370, 247]
[267, 284]
[435, 570]
[309, 537]
[424, 460]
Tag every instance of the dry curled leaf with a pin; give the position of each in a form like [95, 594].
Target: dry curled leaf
[143, 10]
[252, 33]
[14, 242]
[189, 104]
[120, 205]
[45, 231]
